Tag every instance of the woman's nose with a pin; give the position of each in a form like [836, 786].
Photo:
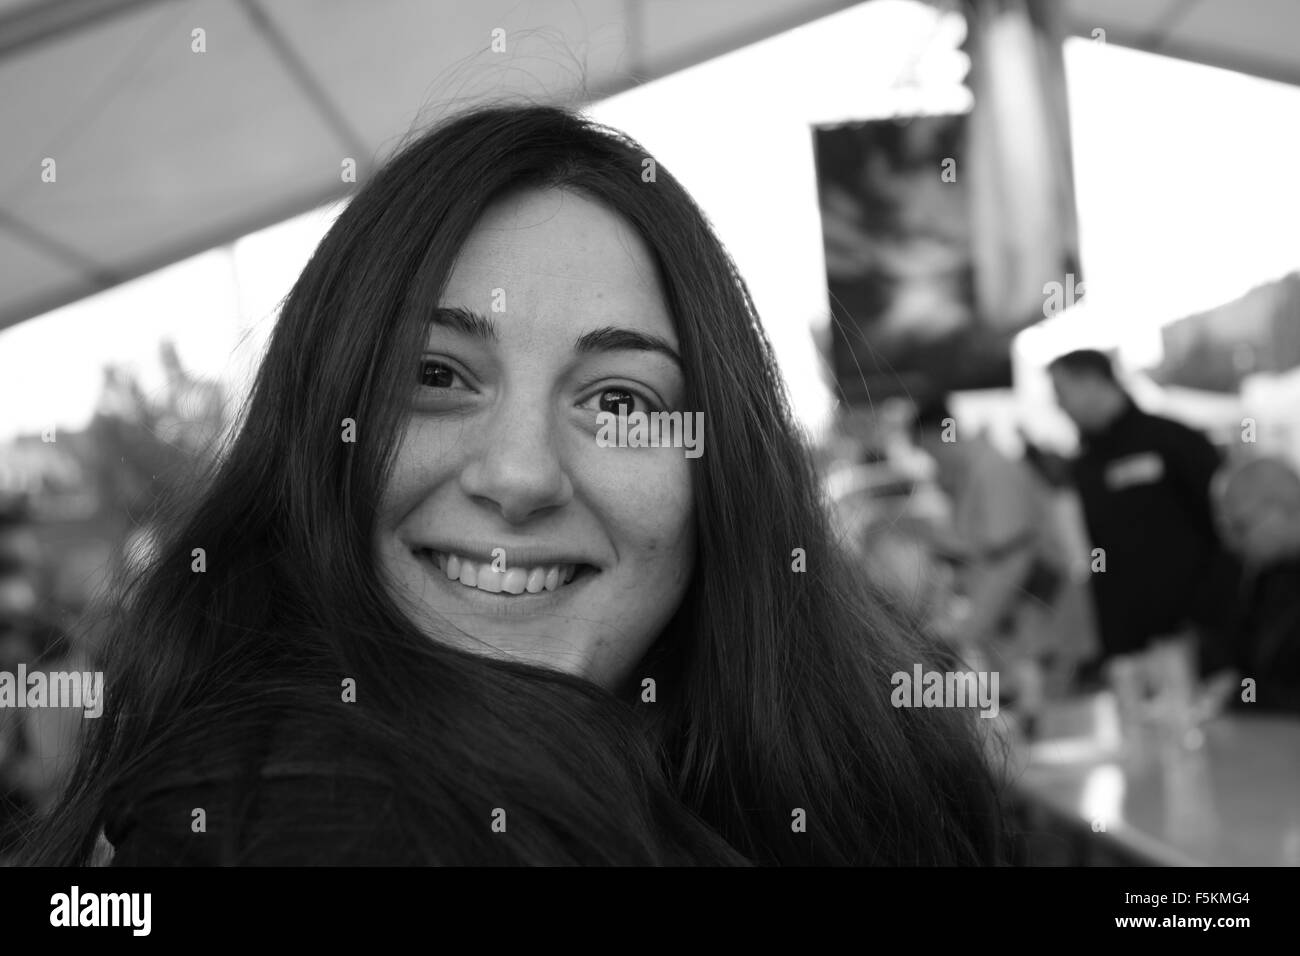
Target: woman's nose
[516, 466]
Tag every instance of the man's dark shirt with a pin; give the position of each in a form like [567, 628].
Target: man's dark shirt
[1144, 482]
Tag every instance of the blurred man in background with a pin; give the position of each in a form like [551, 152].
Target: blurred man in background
[1258, 505]
[1163, 585]
[1145, 486]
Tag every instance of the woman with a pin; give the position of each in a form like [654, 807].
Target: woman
[423, 615]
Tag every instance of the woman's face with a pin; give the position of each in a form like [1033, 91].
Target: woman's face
[503, 515]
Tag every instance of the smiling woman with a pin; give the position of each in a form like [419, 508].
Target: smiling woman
[478, 634]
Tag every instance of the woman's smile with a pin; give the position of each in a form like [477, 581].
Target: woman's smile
[484, 577]
[463, 587]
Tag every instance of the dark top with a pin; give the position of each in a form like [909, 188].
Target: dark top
[317, 821]
[1144, 483]
[1267, 646]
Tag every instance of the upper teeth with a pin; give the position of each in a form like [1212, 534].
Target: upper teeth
[474, 574]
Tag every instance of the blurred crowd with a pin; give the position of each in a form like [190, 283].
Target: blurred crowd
[1151, 564]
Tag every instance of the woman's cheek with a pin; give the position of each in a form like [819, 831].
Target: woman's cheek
[646, 498]
[641, 479]
[428, 450]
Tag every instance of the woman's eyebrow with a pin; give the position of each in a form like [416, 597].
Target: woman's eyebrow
[611, 339]
[465, 321]
[607, 339]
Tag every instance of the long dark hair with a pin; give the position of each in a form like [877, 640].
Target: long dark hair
[773, 682]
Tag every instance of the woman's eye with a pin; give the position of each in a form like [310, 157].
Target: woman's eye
[620, 401]
[437, 375]
[443, 388]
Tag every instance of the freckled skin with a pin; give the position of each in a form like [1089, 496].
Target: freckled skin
[517, 460]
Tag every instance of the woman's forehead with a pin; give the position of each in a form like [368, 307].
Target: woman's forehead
[557, 253]
[561, 235]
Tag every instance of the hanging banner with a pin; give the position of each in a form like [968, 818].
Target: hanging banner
[945, 235]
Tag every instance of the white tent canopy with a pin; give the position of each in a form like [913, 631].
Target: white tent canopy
[125, 148]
